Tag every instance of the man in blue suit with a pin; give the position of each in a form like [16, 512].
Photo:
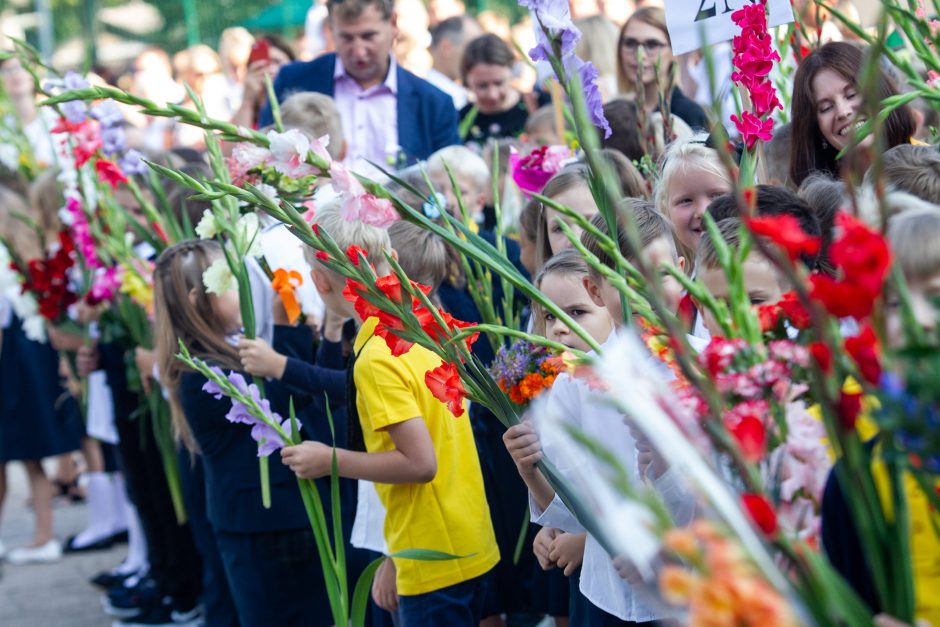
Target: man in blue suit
[390, 116]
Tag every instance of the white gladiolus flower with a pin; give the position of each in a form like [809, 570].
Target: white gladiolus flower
[218, 278]
[248, 233]
[207, 227]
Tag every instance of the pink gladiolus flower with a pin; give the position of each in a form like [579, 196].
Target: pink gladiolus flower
[289, 151]
[87, 142]
[531, 172]
[248, 156]
[370, 210]
[104, 287]
[753, 128]
[344, 182]
[751, 17]
[764, 98]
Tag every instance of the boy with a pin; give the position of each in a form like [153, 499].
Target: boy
[613, 601]
[422, 459]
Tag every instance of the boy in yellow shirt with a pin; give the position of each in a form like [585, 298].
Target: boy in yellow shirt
[423, 459]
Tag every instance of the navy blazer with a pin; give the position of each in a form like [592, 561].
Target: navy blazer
[427, 119]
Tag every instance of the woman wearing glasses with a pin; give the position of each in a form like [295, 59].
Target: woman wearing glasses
[645, 68]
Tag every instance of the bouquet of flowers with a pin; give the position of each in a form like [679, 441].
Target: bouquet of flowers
[48, 280]
[524, 370]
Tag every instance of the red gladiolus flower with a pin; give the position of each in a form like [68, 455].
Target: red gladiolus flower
[850, 406]
[761, 512]
[353, 252]
[861, 253]
[353, 293]
[785, 231]
[391, 287]
[751, 437]
[793, 309]
[397, 345]
[822, 355]
[322, 255]
[769, 317]
[446, 386]
[842, 299]
[753, 128]
[109, 173]
[863, 348]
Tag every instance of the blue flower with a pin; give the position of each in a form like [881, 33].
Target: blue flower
[132, 163]
[108, 114]
[113, 140]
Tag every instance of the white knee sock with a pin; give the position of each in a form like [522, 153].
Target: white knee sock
[100, 504]
[136, 559]
[118, 503]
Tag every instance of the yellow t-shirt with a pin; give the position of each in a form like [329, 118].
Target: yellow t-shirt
[448, 514]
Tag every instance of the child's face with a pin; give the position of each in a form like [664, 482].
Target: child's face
[923, 293]
[473, 198]
[760, 281]
[568, 293]
[227, 311]
[579, 199]
[690, 193]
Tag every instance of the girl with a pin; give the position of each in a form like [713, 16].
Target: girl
[691, 176]
[646, 29]
[828, 107]
[562, 281]
[38, 417]
[268, 555]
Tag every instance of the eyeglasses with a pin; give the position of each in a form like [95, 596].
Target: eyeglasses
[650, 45]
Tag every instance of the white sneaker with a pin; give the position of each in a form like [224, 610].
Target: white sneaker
[51, 551]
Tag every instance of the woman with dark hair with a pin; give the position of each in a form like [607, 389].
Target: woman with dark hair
[646, 30]
[279, 54]
[828, 107]
[498, 110]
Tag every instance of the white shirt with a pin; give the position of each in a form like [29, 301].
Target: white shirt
[449, 87]
[600, 582]
[368, 530]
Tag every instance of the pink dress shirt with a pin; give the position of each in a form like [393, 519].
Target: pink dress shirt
[370, 120]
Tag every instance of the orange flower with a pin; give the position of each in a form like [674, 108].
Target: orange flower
[676, 584]
[681, 542]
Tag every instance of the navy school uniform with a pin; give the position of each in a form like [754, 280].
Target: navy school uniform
[38, 417]
[174, 560]
[269, 555]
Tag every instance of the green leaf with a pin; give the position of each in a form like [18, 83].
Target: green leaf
[360, 597]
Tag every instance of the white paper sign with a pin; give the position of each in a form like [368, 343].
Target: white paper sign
[689, 20]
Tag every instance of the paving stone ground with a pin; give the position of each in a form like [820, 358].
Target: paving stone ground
[49, 595]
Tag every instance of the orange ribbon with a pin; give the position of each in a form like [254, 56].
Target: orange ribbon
[284, 283]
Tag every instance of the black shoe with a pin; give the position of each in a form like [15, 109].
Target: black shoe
[120, 537]
[164, 615]
[98, 545]
[107, 579]
[131, 601]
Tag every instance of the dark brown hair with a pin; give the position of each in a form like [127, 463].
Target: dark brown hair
[807, 153]
[486, 49]
[345, 10]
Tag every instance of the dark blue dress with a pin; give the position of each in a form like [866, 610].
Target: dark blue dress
[38, 417]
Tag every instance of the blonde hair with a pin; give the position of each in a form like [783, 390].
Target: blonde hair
[315, 115]
[183, 311]
[463, 162]
[421, 254]
[913, 236]
[895, 203]
[599, 45]
[18, 234]
[374, 241]
[567, 263]
[231, 40]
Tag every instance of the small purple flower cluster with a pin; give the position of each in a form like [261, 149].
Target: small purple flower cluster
[75, 111]
[516, 360]
[262, 431]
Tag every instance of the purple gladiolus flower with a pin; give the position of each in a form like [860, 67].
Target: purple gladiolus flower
[132, 163]
[267, 437]
[554, 17]
[113, 140]
[108, 114]
[74, 80]
[75, 111]
[238, 380]
[239, 414]
[213, 388]
[592, 95]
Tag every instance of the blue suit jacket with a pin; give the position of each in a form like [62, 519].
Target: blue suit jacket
[427, 120]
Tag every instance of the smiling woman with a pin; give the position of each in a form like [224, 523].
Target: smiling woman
[828, 107]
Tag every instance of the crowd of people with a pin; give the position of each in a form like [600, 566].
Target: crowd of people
[392, 85]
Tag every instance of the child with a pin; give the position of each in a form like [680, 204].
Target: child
[776, 157]
[562, 281]
[913, 169]
[612, 601]
[471, 176]
[692, 175]
[569, 187]
[764, 284]
[269, 555]
[913, 236]
[422, 459]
